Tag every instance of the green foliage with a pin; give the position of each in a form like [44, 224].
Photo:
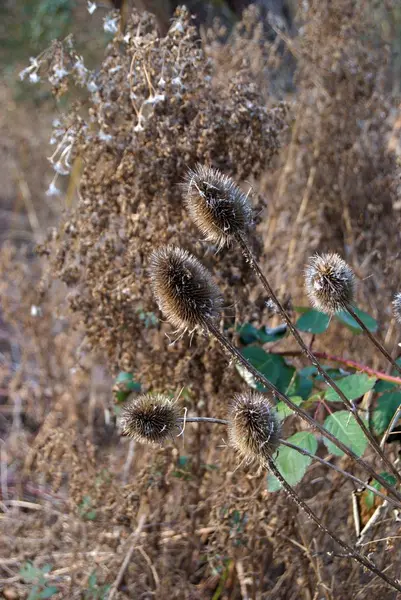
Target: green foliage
[96, 591]
[344, 427]
[306, 388]
[385, 409]
[345, 318]
[37, 576]
[85, 509]
[291, 464]
[352, 386]
[313, 321]
[124, 385]
[369, 497]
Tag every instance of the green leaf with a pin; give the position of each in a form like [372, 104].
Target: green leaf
[352, 386]
[369, 497]
[249, 334]
[313, 321]
[344, 317]
[344, 427]
[283, 411]
[386, 407]
[124, 385]
[48, 592]
[291, 464]
[268, 365]
[300, 386]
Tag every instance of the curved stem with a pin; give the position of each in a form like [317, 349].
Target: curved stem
[308, 511]
[314, 360]
[348, 363]
[209, 326]
[373, 339]
[339, 470]
[203, 420]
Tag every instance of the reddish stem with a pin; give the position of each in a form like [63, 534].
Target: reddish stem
[349, 363]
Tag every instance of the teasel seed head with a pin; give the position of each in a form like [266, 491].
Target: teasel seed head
[254, 428]
[217, 206]
[330, 283]
[183, 288]
[397, 306]
[149, 419]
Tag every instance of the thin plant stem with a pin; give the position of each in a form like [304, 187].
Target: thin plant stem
[339, 470]
[374, 444]
[348, 363]
[373, 339]
[301, 451]
[203, 420]
[235, 353]
[309, 512]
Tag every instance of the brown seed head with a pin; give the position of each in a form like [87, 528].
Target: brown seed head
[216, 204]
[149, 419]
[397, 306]
[183, 288]
[329, 282]
[254, 429]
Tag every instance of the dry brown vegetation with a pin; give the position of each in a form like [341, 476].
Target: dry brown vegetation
[183, 521]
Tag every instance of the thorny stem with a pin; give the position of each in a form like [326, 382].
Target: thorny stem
[373, 339]
[248, 253]
[339, 470]
[351, 551]
[348, 363]
[209, 326]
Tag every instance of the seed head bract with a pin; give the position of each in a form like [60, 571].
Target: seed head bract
[149, 419]
[183, 288]
[329, 282]
[253, 426]
[217, 206]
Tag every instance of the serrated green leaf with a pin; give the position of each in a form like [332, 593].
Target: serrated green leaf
[313, 321]
[283, 411]
[369, 497]
[352, 386]
[291, 464]
[345, 428]
[385, 409]
[344, 317]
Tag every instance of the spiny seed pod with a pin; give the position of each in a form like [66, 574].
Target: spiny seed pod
[149, 419]
[183, 288]
[397, 306]
[216, 205]
[254, 429]
[329, 282]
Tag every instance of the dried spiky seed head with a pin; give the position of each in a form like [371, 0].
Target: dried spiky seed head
[329, 282]
[254, 429]
[149, 419]
[397, 306]
[216, 204]
[183, 288]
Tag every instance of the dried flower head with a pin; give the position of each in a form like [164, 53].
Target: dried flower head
[183, 288]
[254, 428]
[216, 204]
[149, 419]
[397, 306]
[329, 282]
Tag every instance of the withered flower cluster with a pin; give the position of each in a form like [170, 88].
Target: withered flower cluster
[155, 109]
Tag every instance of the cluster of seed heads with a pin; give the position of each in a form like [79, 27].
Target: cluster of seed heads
[253, 426]
[217, 206]
[150, 419]
[330, 283]
[183, 288]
